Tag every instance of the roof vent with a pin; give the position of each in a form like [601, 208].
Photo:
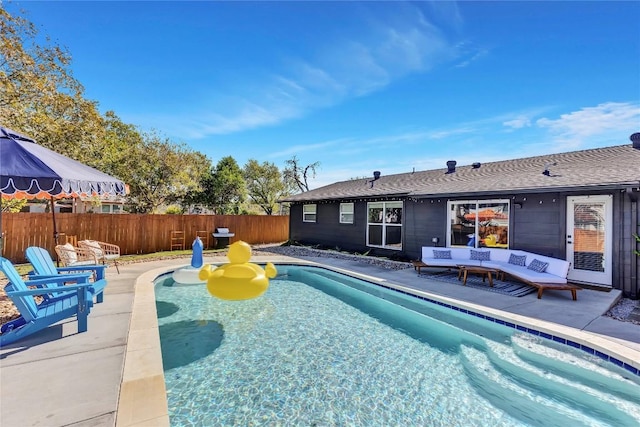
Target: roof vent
[451, 166]
[376, 176]
[635, 140]
[476, 165]
[547, 172]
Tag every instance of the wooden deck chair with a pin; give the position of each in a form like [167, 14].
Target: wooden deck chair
[73, 302]
[43, 266]
[177, 240]
[104, 252]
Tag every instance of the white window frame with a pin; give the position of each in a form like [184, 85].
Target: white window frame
[313, 210]
[384, 224]
[346, 209]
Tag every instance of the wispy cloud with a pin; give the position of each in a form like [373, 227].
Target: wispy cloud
[387, 48]
[470, 55]
[296, 149]
[518, 123]
[576, 129]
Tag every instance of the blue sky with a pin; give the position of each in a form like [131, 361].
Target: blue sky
[359, 86]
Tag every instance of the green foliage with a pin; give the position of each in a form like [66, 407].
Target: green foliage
[264, 184]
[40, 97]
[13, 205]
[223, 189]
[160, 172]
[637, 252]
[174, 210]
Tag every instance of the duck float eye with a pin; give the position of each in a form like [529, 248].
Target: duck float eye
[239, 279]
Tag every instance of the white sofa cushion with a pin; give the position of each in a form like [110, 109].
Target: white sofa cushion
[556, 271]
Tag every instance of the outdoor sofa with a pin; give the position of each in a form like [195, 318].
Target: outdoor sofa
[533, 269]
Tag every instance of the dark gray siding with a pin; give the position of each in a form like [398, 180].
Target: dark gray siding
[538, 227]
[424, 220]
[327, 230]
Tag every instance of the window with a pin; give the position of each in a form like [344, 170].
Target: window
[308, 213]
[346, 213]
[384, 225]
[479, 223]
[110, 209]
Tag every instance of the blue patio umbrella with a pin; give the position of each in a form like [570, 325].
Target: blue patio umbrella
[31, 171]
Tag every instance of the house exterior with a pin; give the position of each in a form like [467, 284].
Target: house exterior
[581, 206]
[106, 204]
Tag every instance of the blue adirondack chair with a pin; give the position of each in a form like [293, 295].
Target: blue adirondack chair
[43, 266]
[74, 301]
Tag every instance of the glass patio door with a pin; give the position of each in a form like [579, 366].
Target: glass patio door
[589, 239]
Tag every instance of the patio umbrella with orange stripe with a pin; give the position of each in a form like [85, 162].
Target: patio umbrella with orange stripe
[31, 171]
[483, 215]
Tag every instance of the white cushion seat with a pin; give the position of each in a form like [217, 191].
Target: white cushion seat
[555, 272]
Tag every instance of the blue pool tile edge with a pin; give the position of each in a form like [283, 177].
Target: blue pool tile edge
[635, 371]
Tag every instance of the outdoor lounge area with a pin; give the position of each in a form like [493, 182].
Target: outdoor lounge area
[122, 335]
[535, 270]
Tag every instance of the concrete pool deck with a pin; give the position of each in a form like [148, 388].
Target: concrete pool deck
[112, 374]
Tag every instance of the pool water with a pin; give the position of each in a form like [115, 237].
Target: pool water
[323, 349]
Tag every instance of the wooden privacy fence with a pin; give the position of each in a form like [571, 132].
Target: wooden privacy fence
[134, 233]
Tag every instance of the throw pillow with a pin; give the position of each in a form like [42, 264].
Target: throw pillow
[537, 265]
[518, 259]
[441, 254]
[480, 255]
[94, 247]
[70, 253]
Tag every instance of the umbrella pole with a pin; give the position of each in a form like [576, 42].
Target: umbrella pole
[55, 229]
[53, 213]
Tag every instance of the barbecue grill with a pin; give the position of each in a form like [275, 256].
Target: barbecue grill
[221, 237]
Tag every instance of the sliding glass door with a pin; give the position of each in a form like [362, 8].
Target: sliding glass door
[478, 223]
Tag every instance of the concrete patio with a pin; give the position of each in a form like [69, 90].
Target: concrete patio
[60, 378]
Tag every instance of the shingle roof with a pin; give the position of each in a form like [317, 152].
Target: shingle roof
[617, 166]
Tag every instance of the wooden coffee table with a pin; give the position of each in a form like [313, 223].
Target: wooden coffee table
[464, 270]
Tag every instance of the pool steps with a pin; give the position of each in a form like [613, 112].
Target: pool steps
[512, 398]
[574, 390]
[589, 373]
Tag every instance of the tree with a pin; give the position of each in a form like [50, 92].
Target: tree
[264, 184]
[40, 97]
[223, 189]
[12, 205]
[160, 172]
[297, 176]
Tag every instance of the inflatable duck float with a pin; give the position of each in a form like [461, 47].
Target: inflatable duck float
[239, 279]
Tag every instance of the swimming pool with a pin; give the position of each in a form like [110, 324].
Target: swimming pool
[320, 348]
